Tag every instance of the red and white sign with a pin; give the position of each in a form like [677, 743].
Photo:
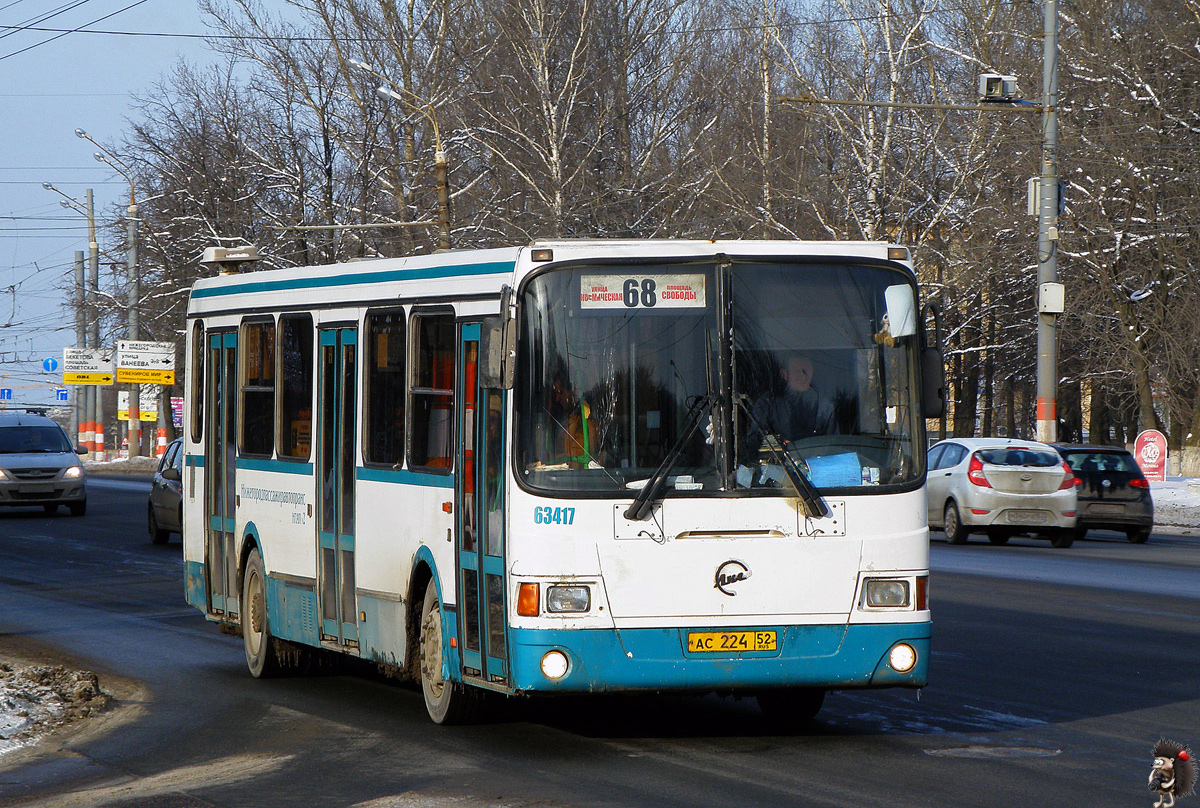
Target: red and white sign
[1150, 451]
[642, 292]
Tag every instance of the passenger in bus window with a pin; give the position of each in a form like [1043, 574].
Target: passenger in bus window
[792, 412]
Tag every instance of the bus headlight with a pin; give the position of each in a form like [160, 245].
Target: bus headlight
[882, 593]
[568, 599]
[555, 665]
[902, 657]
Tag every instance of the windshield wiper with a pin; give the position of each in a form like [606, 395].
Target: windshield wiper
[813, 503]
[642, 502]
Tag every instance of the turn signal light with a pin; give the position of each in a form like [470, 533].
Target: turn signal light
[527, 600]
[922, 592]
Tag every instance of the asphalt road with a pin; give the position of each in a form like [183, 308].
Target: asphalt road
[1053, 673]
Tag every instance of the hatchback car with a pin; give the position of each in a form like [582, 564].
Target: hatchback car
[39, 465]
[165, 509]
[1000, 486]
[1113, 492]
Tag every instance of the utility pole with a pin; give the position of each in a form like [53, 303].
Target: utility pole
[133, 283]
[93, 281]
[1047, 248]
[81, 396]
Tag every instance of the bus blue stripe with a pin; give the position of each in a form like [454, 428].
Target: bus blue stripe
[280, 466]
[405, 477]
[352, 279]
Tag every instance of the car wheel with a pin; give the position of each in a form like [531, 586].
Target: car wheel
[1138, 535]
[1080, 531]
[956, 532]
[998, 535]
[790, 708]
[77, 508]
[446, 702]
[1062, 539]
[157, 534]
[50, 509]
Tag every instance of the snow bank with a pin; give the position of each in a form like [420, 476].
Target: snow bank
[34, 699]
[1177, 501]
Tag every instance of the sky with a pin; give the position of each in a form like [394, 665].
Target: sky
[62, 77]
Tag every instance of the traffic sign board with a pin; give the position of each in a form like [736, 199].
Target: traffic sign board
[49, 364]
[62, 394]
[143, 362]
[87, 366]
[5, 394]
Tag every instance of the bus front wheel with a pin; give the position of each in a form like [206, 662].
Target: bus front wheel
[262, 657]
[445, 701]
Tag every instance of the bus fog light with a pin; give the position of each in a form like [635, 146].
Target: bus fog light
[902, 658]
[554, 665]
[884, 594]
[568, 599]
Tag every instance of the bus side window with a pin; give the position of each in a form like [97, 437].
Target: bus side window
[431, 406]
[383, 433]
[296, 385]
[258, 388]
[196, 415]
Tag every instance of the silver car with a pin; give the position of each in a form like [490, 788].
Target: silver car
[164, 512]
[1000, 486]
[39, 465]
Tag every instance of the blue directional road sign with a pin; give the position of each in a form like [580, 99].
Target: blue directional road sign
[5, 394]
[61, 394]
[49, 364]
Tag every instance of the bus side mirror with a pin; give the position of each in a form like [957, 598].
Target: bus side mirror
[497, 353]
[933, 383]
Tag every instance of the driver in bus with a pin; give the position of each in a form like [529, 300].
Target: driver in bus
[794, 413]
[571, 441]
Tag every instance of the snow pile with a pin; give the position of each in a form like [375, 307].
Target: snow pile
[1176, 501]
[35, 699]
[123, 465]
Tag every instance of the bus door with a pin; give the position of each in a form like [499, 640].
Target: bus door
[220, 462]
[480, 520]
[335, 476]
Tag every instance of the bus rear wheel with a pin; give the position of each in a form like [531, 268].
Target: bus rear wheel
[445, 701]
[791, 707]
[262, 657]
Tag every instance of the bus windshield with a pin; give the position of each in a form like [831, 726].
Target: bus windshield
[622, 367]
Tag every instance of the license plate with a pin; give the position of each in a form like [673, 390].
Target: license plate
[716, 642]
[1107, 509]
[37, 488]
[1027, 517]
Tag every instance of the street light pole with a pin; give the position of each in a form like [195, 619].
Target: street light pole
[1047, 250]
[414, 102]
[133, 282]
[87, 331]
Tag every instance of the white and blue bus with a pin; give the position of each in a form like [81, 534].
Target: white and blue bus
[569, 467]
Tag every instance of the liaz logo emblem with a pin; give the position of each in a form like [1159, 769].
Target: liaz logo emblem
[730, 573]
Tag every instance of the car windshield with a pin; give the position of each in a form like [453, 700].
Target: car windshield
[1102, 461]
[27, 439]
[1019, 457]
[621, 367]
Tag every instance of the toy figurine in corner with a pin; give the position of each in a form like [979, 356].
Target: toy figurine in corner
[1173, 774]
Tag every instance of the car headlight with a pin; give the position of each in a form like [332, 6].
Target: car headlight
[73, 473]
[3, 476]
[882, 593]
[568, 599]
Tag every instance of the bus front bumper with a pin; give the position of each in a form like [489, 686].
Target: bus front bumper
[829, 656]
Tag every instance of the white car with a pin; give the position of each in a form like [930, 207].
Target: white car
[1000, 486]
